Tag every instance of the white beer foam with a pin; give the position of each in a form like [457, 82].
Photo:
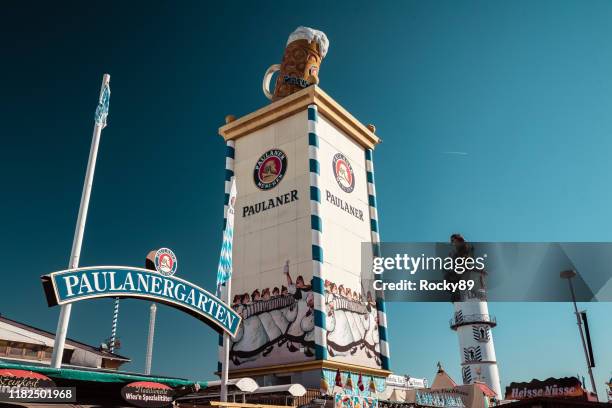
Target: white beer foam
[307, 33]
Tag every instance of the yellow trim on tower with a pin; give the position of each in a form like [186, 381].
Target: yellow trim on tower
[244, 405]
[307, 366]
[297, 102]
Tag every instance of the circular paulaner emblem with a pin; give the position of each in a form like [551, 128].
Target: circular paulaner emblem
[270, 169]
[165, 262]
[343, 172]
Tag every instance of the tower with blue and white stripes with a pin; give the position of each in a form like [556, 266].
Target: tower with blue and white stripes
[306, 223]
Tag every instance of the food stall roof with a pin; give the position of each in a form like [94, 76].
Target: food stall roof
[98, 375]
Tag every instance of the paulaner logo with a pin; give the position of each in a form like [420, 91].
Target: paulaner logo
[343, 172]
[270, 203]
[270, 169]
[165, 262]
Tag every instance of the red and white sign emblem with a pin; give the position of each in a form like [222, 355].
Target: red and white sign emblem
[343, 172]
[165, 262]
[270, 169]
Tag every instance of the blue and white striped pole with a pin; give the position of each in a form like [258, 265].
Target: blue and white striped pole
[114, 328]
[375, 234]
[224, 340]
[316, 225]
[224, 270]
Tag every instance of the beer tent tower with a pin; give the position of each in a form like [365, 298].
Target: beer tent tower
[306, 202]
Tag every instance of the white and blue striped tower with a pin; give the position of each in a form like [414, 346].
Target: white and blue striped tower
[380, 302]
[306, 204]
[316, 225]
[473, 325]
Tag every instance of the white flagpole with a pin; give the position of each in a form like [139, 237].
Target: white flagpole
[149, 355]
[226, 346]
[64, 318]
[228, 293]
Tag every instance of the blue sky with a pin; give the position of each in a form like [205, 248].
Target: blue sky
[523, 88]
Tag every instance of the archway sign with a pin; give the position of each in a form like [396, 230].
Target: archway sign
[73, 285]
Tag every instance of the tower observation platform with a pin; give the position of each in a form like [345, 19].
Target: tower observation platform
[463, 320]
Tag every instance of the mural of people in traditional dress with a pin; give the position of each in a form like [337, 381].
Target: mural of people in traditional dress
[275, 320]
[278, 322]
[352, 324]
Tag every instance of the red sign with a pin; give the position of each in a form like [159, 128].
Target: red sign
[22, 378]
[567, 387]
[13, 380]
[270, 169]
[147, 394]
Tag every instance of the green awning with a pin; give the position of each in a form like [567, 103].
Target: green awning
[106, 376]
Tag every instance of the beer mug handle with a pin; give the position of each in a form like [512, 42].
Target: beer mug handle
[267, 78]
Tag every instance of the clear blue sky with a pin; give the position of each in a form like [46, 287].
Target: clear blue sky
[524, 88]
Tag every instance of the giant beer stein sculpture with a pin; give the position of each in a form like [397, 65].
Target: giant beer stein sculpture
[299, 69]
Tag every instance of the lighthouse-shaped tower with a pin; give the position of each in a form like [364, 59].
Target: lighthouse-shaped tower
[473, 325]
